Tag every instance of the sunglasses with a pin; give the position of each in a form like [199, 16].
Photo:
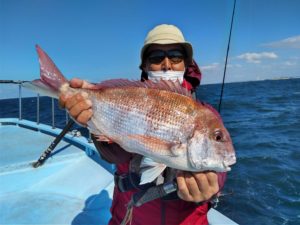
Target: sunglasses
[157, 56]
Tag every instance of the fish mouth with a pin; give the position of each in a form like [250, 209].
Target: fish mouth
[218, 165]
[226, 167]
[229, 161]
[214, 165]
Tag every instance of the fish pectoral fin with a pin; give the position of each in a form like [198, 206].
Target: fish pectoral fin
[150, 170]
[179, 149]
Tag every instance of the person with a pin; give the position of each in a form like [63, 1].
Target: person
[165, 55]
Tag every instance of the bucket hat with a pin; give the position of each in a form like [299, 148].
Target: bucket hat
[167, 34]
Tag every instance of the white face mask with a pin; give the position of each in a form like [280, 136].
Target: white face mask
[166, 75]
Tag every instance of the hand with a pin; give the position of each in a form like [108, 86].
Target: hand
[78, 105]
[197, 186]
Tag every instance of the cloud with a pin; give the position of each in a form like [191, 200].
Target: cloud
[210, 67]
[289, 63]
[291, 42]
[253, 57]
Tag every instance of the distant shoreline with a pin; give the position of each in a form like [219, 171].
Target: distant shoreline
[269, 79]
[8, 93]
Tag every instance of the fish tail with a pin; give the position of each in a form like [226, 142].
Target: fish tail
[51, 78]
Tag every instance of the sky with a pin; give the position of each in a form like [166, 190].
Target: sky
[101, 39]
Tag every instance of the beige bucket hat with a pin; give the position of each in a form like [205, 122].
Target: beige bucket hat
[167, 34]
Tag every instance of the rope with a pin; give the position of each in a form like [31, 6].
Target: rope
[128, 216]
[227, 52]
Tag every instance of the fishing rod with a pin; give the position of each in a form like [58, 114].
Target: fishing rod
[52, 146]
[227, 52]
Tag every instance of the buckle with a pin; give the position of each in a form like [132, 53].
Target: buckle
[130, 181]
[120, 182]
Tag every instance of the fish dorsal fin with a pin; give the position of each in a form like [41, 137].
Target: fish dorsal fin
[211, 108]
[167, 85]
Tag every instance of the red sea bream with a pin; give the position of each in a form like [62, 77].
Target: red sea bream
[159, 120]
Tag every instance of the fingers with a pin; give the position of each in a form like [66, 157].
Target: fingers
[84, 117]
[74, 100]
[78, 83]
[187, 187]
[78, 106]
[183, 191]
[197, 187]
[212, 179]
[62, 100]
[207, 183]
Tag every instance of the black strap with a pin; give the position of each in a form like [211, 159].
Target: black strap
[126, 182]
[129, 182]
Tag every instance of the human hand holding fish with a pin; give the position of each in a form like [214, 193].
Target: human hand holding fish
[78, 105]
[197, 186]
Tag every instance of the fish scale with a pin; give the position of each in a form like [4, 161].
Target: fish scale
[146, 118]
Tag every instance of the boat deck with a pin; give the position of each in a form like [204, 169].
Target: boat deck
[74, 186]
[55, 192]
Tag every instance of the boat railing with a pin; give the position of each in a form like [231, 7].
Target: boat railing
[38, 109]
[75, 137]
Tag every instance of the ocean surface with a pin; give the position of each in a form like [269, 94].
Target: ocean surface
[263, 118]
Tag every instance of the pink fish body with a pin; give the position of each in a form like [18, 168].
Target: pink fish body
[157, 120]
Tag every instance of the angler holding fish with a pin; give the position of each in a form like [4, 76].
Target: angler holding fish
[154, 131]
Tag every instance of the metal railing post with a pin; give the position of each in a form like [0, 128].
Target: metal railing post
[20, 101]
[38, 109]
[53, 121]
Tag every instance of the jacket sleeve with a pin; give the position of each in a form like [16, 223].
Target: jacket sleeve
[112, 153]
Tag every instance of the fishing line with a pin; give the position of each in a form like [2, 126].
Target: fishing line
[227, 52]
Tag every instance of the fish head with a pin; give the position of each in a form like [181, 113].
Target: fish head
[210, 146]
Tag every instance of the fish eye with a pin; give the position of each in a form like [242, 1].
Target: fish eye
[218, 135]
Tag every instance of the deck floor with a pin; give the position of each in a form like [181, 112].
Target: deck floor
[70, 188]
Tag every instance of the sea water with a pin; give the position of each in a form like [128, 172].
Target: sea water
[263, 118]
